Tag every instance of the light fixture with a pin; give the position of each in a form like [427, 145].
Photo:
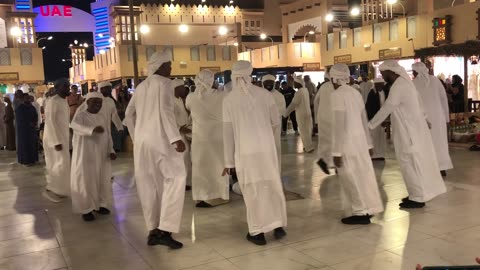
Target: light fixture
[81, 45]
[85, 45]
[235, 44]
[183, 28]
[329, 17]
[71, 45]
[222, 30]
[311, 32]
[102, 51]
[231, 2]
[16, 31]
[263, 36]
[144, 29]
[50, 38]
[75, 41]
[100, 35]
[355, 11]
[391, 2]
[43, 48]
[203, 1]
[63, 60]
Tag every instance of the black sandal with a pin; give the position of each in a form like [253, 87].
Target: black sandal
[474, 148]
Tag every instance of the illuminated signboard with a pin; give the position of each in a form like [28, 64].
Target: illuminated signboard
[442, 30]
[61, 18]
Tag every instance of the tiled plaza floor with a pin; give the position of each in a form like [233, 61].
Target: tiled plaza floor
[36, 234]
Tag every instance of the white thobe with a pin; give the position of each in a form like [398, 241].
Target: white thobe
[57, 119]
[352, 141]
[183, 120]
[91, 185]
[378, 134]
[282, 107]
[365, 88]
[325, 119]
[249, 121]
[39, 113]
[435, 105]
[301, 105]
[3, 131]
[412, 140]
[159, 169]
[207, 146]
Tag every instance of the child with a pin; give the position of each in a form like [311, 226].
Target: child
[92, 152]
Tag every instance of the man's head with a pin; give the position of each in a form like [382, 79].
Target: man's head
[277, 85]
[391, 70]
[379, 83]
[32, 98]
[204, 81]
[298, 82]
[364, 77]
[284, 85]
[94, 102]
[27, 99]
[227, 75]
[340, 75]
[268, 82]
[179, 88]
[161, 64]
[420, 69]
[62, 87]
[105, 88]
[74, 89]
[456, 79]
[19, 94]
[307, 79]
[352, 80]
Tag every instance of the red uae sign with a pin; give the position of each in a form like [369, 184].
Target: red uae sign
[53, 11]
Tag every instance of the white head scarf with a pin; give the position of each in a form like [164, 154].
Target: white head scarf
[104, 84]
[423, 73]
[394, 67]
[241, 71]
[204, 82]
[340, 74]
[157, 60]
[378, 80]
[268, 78]
[93, 95]
[299, 80]
[177, 82]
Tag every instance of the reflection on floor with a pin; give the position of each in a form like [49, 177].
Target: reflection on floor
[36, 234]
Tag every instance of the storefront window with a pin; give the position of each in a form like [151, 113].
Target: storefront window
[195, 53]
[343, 39]
[330, 41]
[357, 37]
[211, 56]
[377, 33]
[393, 30]
[411, 27]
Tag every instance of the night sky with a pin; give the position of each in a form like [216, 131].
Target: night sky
[57, 49]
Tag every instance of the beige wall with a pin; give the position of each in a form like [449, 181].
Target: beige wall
[83, 72]
[33, 73]
[114, 64]
[464, 27]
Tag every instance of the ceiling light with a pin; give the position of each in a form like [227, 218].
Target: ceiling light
[263, 36]
[311, 32]
[16, 31]
[222, 30]
[355, 11]
[183, 28]
[144, 29]
[235, 44]
[102, 51]
[391, 2]
[329, 17]
[76, 42]
[85, 45]
[43, 48]
[50, 38]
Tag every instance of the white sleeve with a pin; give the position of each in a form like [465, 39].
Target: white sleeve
[442, 93]
[167, 113]
[131, 117]
[366, 129]
[79, 127]
[393, 101]
[51, 112]
[316, 103]
[339, 115]
[228, 138]
[294, 104]
[116, 119]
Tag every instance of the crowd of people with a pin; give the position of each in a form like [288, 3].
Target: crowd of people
[196, 135]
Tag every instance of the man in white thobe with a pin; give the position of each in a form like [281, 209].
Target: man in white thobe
[250, 117]
[158, 152]
[411, 137]
[184, 125]
[301, 105]
[375, 100]
[351, 145]
[56, 140]
[325, 132]
[269, 83]
[92, 150]
[209, 188]
[365, 87]
[435, 105]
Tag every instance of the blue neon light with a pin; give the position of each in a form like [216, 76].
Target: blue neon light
[99, 17]
[22, 6]
[101, 23]
[103, 44]
[99, 10]
[99, 39]
[23, 1]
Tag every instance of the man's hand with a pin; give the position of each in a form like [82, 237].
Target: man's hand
[99, 130]
[179, 146]
[113, 156]
[338, 161]
[228, 171]
[58, 147]
[185, 130]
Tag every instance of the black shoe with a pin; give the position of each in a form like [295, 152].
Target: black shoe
[279, 233]
[354, 220]
[323, 166]
[88, 217]
[409, 204]
[258, 239]
[443, 173]
[203, 204]
[158, 237]
[378, 159]
[103, 211]
[405, 199]
[188, 188]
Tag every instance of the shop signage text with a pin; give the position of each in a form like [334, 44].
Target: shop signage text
[390, 54]
[342, 59]
[311, 67]
[9, 76]
[52, 11]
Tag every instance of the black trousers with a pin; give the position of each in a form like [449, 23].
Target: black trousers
[294, 122]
